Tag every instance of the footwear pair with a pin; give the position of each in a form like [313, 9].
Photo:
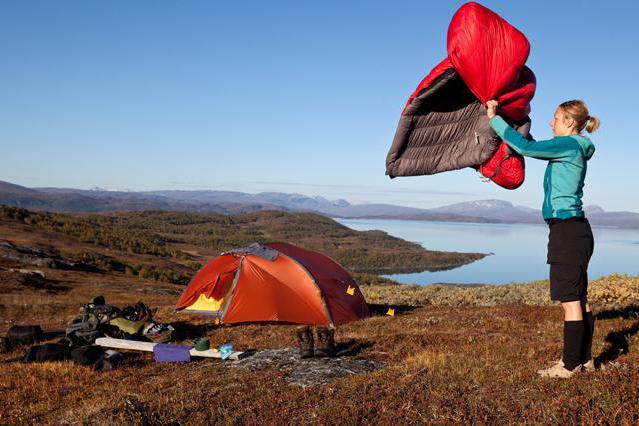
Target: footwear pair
[559, 371]
[589, 365]
[325, 342]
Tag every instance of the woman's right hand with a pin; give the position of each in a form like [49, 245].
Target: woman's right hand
[491, 108]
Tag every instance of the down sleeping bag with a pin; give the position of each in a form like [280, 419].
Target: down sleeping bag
[444, 124]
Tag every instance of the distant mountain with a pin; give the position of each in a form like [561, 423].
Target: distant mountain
[232, 202]
[593, 210]
[15, 195]
[79, 200]
[211, 200]
[294, 202]
[498, 210]
[503, 211]
[10, 188]
[597, 216]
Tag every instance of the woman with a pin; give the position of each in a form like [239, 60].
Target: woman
[570, 242]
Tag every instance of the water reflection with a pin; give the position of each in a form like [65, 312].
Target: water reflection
[519, 250]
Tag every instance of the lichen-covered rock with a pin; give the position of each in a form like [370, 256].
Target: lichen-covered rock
[309, 371]
[615, 290]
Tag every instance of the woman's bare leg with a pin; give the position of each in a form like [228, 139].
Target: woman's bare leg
[573, 311]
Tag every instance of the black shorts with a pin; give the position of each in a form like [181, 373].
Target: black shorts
[570, 246]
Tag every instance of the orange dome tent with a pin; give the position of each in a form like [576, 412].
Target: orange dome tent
[275, 282]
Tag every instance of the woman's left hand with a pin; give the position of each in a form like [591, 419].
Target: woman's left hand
[491, 108]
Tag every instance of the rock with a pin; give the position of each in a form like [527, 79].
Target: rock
[29, 271]
[14, 281]
[306, 372]
[40, 258]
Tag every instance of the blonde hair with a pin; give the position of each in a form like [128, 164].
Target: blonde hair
[578, 111]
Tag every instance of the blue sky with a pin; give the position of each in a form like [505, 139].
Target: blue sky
[285, 96]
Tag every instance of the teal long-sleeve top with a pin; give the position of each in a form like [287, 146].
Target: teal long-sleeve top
[566, 170]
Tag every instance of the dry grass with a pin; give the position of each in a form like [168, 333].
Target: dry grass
[454, 355]
[446, 365]
[612, 292]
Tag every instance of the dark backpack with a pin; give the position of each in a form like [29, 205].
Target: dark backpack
[87, 355]
[95, 319]
[47, 352]
[80, 333]
[92, 324]
[24, 334]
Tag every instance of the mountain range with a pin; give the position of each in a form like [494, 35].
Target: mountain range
[231, 202]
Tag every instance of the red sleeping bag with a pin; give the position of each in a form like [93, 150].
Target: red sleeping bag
[488, 56]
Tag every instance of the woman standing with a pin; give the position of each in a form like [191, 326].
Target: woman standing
[570, 242]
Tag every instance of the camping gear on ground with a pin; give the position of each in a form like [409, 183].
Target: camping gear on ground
[201, 344]
[157, 332]
[80, 332]
[444, 124]
[47, 352]
[163, 352]
[137, 312]
[97, 301]
[24, 334]
[325, 346]
[87, 355]
[226, 350]
[92, 323]
[109, 342]
[132, 322]
[305, 341]
[274, 282]
[98, 308]
[128, 327]
[110, 361]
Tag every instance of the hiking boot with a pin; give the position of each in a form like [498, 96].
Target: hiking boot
[157, 332]
[325, 342]
[589, 366]
[305, 341]
[558, 371]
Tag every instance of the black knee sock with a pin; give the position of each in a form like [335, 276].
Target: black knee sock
[573, 343]
[589, 329]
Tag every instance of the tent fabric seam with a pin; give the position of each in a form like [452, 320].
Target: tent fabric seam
[314, 281]
[232, 292]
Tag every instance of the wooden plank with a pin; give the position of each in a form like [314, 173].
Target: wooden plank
[133, 345]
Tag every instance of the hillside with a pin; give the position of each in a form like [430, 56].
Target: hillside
[185, 240]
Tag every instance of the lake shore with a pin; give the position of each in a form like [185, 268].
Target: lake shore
[517, 251]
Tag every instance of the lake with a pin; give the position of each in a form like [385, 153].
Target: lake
[519, 250]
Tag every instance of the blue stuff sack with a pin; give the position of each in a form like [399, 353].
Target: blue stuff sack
[226, 350]
[163, 352]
